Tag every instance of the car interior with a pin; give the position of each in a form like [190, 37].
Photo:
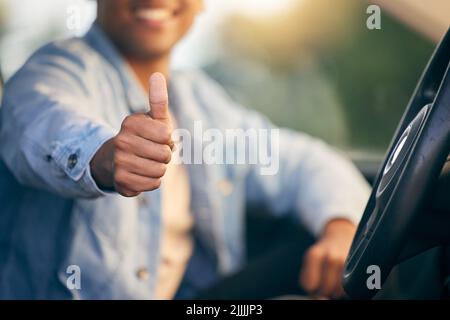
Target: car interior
[404, 230]
[406, 221]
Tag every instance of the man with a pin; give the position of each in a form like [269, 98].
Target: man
[86, 217]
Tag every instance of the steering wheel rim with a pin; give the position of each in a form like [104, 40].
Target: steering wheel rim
[412, 165]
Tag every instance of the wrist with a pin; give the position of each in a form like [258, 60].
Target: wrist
[101, 165]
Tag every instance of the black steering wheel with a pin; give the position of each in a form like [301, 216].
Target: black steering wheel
[396, 224]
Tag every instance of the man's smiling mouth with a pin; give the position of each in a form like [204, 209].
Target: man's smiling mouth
[154, 14]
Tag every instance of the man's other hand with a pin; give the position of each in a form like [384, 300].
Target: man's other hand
[323, 263]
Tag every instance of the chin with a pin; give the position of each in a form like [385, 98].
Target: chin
[154, 48]
[145, 47]
[155, 52]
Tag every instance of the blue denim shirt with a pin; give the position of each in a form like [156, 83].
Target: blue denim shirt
[62, 105]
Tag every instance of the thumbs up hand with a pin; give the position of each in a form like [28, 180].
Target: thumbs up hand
[135, 160]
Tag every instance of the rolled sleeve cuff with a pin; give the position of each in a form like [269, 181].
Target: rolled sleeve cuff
[74, 158]
[89, 185]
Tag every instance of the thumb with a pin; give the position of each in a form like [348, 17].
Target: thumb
[159, 101]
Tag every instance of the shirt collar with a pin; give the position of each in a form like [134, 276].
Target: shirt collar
[135, 95]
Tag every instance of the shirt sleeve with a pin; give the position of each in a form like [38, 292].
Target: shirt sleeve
[49, 128]
[306, 177]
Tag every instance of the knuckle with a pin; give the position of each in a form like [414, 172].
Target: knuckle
[121, 141]
[155, 184]
[166, 154]
[120, 159]
[129, 193]
[315, 253]
[133, 188]
[334, 259]
[160, 170]
[127, 123]
[164, 134]
[120, 177]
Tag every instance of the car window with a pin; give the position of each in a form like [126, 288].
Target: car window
[310, 65]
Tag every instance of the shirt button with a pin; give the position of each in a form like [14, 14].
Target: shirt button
[72, 161]
[142, 273]
[225, 187]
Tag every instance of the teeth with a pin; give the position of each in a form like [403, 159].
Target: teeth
[153, 14]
